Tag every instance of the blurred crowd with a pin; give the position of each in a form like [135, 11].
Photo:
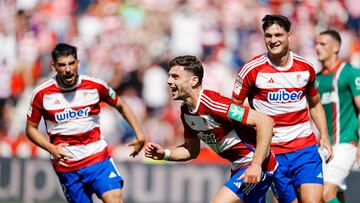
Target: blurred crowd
[128, 43]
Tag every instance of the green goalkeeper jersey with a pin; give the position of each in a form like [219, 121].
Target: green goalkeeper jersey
[337, 89]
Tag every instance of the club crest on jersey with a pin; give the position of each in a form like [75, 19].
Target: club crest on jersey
[284, 96]
[70, 114]
[236, 112]
[112, 93]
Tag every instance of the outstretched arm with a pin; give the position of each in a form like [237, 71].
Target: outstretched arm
[264, 128]
[37, 138]
[129, 116]
[318, 115]
[189, 150]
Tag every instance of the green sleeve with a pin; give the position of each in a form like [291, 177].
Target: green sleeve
[354, 81]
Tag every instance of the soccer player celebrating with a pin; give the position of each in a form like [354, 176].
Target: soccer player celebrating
[281, 84]
[69, 104]
[339, 89]
[227, 128]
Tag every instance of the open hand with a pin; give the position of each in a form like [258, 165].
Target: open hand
[138, 145]
[154, 151]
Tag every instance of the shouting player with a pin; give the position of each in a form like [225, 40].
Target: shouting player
[69, 104]
[227, 128]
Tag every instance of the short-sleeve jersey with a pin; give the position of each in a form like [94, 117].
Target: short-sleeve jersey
[72, 116]
[337, 90]
[220, 123]
[280, 92]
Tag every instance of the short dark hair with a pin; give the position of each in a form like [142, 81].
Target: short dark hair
[63, 49]
[332, 33]
[281, 20]
[190, 63]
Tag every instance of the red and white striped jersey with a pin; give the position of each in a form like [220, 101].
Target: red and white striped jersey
[220, 123]
[72, 116]
[280, 92]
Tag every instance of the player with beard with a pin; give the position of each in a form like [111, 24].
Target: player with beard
[227, 128]
[70, 106]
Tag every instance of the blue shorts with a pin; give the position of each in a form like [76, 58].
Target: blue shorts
[296, 168]
[250, 192]
[79, 185]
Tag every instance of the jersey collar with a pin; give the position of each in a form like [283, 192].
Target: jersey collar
[333, 69]
[282, 68]
[197, 103]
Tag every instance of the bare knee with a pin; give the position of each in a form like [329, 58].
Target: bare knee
[311, 198]
[112, 196]
[329, 192]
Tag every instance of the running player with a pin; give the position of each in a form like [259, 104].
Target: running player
[69, 104]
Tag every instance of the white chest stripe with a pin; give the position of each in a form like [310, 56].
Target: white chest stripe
[282, 80]
[72, 127]
[288, 133]
[273, 109]
[71, 99]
